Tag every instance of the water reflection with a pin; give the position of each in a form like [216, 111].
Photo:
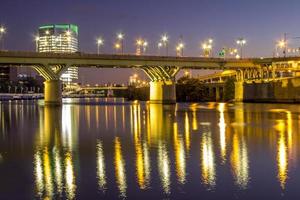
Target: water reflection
[164, 167]
[222, 126]
[239, 154]
[180, 159]
[101, 167]
[120, 170]
[208, 159]
[53, 160]
[159, 150]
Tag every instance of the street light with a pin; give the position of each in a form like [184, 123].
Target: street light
[164, 40]
[241, 42]
[117, 46]
[159, 45]
[37, 39]
[100, 42]
[179, 49]
[120, 37]
[139, 43]
[207, 47]
[2, 32]
[145, 45]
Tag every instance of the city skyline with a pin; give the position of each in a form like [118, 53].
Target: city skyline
[194, 21]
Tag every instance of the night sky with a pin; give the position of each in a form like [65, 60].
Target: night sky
[260, 22]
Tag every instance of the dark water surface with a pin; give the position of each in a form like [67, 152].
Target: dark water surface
[110, 149]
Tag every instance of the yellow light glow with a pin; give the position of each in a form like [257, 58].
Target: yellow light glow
[164, 167]
[187, 131]
[120, 170]
[208, 161]
[222, 126]
[239, 161]
[180, 161]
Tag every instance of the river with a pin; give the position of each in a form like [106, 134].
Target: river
[113, 149]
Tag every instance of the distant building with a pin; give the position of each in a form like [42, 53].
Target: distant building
[59, 38]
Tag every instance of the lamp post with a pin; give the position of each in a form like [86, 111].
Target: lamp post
[241, 42]
[145, 45]
[165, 41]
[159, 45]
[179, 49]
[207, 47]
[139, 43]
[100, 42]
[2, 32]
[120, 37]
[37, 39]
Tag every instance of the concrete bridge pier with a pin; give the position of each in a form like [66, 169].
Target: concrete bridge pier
[163, 92]
[52, 92]
[239, 91]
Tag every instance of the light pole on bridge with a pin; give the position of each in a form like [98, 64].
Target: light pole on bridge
[165, 41]
[2, 32]
[241, 42]
[100, 42]
[120, 37]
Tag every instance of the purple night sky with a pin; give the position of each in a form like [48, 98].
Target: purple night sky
[261, 23]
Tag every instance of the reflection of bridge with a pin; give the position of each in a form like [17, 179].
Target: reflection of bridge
[160, 70]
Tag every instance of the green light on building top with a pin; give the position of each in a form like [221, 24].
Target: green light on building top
[71, 27]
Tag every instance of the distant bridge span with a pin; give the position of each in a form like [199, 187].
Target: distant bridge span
[160, 69]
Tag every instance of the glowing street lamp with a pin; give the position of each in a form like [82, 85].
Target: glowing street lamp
[2, 32]
[241, 42]
[120, 38]
[165, 40]
[117, 46]
[100, 42]
[145, 45]
[139, 43]
[179, 49]
[207, 47]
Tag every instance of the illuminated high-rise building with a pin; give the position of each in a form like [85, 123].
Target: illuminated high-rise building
[59, 38]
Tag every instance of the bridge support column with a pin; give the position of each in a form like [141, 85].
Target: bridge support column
[217, 93]
[239, 91]
[163, 92]
[52, 92]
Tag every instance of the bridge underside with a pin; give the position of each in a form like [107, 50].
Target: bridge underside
[162, 83]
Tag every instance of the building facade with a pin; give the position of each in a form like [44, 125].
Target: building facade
[59, 38]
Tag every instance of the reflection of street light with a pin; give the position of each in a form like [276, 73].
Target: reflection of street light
[99, 43]
[241, 42]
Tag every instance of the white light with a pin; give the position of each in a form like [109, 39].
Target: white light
[2, 29]
[120, 36]
[164, 38]
[100, 41]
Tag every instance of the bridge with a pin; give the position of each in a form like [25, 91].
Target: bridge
[161, 70]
